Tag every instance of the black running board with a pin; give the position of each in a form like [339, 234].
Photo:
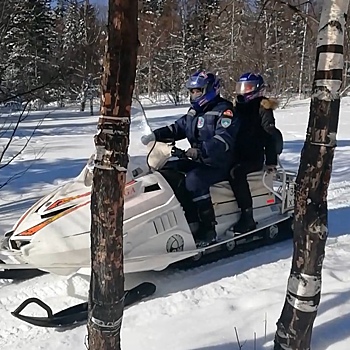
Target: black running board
[239, 244]
[19, 274]
[77, 314]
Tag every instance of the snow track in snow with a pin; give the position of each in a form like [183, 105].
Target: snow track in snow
[176, 317]
[51, 289]
[339, 194]
[178, 292]
[228, 284]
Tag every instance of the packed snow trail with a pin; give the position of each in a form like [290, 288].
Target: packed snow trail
[249, 285]
[194, 309]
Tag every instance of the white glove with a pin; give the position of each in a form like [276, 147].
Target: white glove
[146, 139]
[192, 153]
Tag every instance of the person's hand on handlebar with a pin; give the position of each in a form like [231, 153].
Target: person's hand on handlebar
[193, 153]
[146, 139]
[178, 152]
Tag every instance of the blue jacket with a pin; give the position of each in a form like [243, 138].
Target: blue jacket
[212, 131]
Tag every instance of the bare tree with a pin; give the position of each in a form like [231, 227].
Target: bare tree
[294, 327]
[107, 196]
[9, 148]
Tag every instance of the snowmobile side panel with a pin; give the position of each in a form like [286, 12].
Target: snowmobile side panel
[77, 314]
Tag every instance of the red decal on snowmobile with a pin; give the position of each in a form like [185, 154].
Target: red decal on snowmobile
[31, 231]
[66, 200]
[69, 199]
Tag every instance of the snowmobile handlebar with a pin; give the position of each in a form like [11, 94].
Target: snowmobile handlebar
[178, 152]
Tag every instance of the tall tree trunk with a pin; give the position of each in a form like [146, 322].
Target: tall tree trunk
[107, 197]
[294, 327]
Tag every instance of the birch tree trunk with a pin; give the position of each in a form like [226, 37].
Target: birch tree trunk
[107, 196]
[294, 327]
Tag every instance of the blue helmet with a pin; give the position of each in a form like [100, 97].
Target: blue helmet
[207, 86]
[249, 87]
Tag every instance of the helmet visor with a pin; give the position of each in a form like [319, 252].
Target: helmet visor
[196, 82]
[245, 87]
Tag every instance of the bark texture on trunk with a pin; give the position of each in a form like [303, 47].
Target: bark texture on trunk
[294, 327]
[111, 161]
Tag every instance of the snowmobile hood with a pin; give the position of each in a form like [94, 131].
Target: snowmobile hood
[56, 204]
[76, 193]
[64, 200]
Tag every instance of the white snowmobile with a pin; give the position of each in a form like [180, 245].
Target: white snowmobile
[54, 234]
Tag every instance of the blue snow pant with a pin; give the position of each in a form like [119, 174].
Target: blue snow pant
[191, 183]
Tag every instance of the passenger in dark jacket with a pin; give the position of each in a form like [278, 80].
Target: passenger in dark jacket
[257, 143]
[211, 129]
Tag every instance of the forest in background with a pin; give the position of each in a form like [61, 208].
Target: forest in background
[54, 50]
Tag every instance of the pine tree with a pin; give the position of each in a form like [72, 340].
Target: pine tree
[82, 43]
[29, 41]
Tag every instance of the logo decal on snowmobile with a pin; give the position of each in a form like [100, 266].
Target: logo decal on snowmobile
[175, 243]
[200, 122]
[226, 122]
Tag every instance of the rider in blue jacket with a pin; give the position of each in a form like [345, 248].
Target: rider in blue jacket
[211, 128]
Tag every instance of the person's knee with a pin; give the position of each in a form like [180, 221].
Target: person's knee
[192, 182]
[196, 182]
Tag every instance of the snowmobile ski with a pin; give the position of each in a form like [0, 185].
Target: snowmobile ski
[77, 314]
[20, 274]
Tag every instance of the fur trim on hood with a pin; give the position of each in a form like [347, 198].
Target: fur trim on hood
[269, 103]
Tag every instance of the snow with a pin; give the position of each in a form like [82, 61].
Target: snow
[196, 309]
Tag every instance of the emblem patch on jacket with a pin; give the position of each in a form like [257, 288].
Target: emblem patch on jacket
[200, 122]
[226, 122]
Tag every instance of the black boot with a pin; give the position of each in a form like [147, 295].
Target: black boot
[246, 222]
[206, 234]
[194, 227]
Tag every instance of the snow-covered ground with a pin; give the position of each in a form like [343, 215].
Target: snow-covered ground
[194, 309]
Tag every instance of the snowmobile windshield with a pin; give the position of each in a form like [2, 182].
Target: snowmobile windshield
[139, 126]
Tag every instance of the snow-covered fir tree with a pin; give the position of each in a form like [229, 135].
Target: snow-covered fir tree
[62, 43]
[29, 41]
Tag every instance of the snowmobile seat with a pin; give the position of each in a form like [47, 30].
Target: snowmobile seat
[222, 191]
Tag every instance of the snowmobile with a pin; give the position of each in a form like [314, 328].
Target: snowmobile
[53, 236]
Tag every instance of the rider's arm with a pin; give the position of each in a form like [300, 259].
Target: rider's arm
[220, 149]
[172, 132]
[268, 124]
[267, 120]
